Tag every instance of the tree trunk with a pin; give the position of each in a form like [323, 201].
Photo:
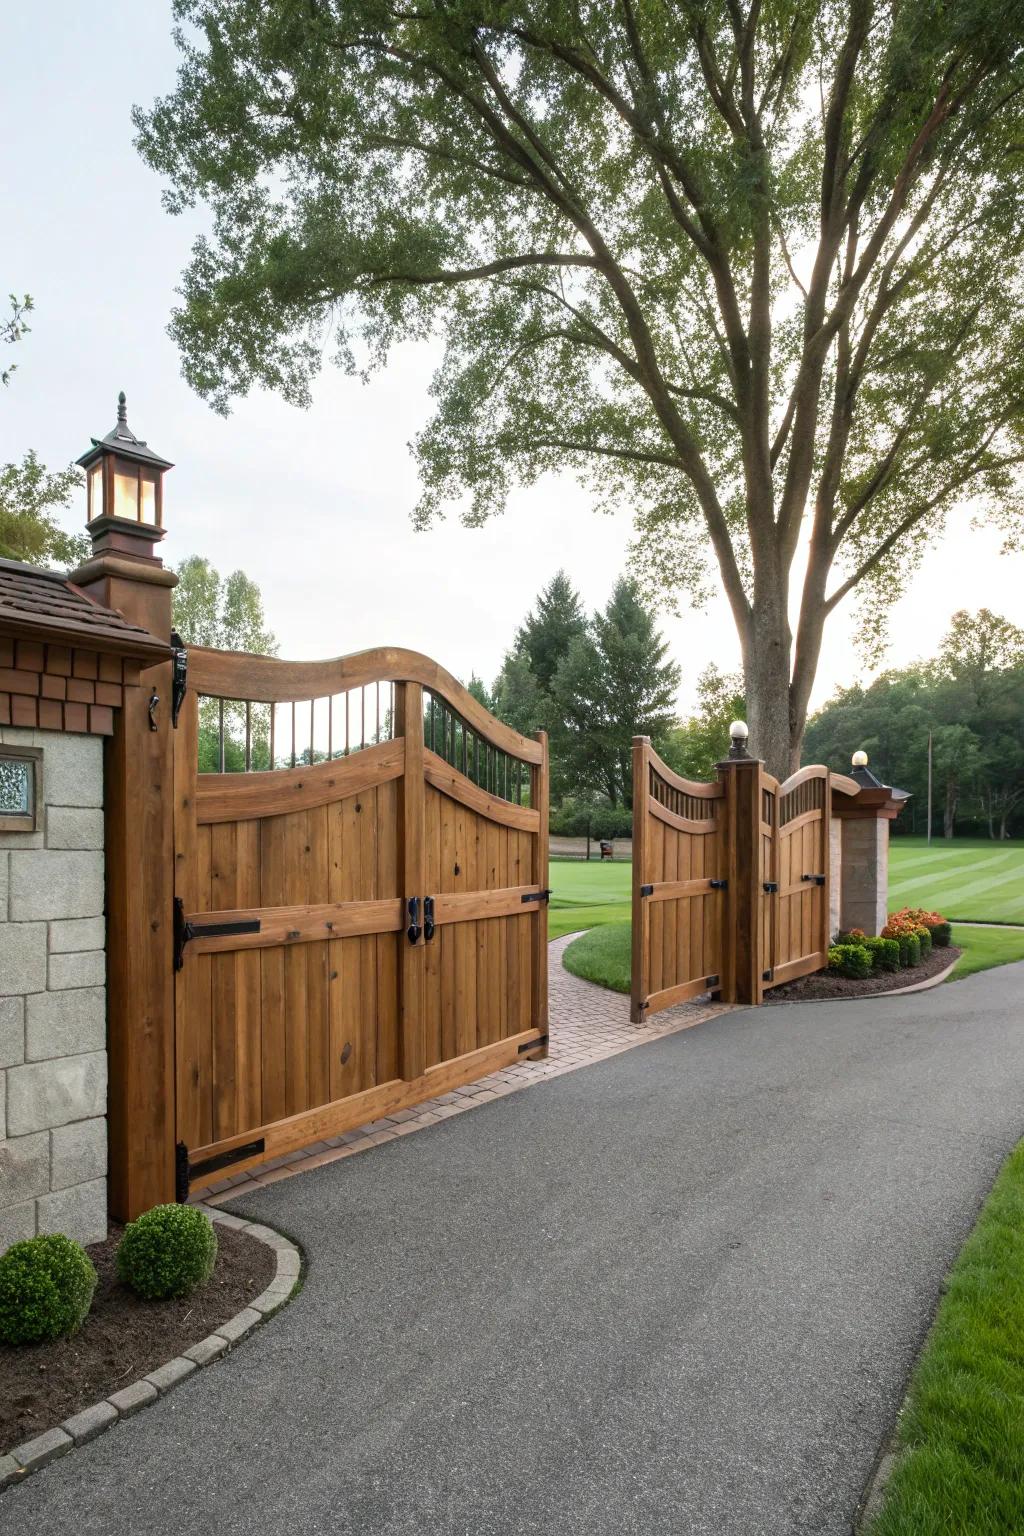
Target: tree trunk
[766, 664]
[949, 815]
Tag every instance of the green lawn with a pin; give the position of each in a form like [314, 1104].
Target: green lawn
[967, 878]
[604, 954]
[584, 895]
[961, 1433]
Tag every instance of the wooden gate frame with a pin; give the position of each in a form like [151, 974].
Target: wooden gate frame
[405, 758]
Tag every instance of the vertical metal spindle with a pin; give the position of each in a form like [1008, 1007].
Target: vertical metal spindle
[465, 750]
[248, 736]
[377, 686]
[293, 733]
[330, 726]
[476, 759]
[347, 691]
[273, 714]
[362, 717]
[220, 753]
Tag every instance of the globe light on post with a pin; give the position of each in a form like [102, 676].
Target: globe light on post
[738, 734]
[859, 760]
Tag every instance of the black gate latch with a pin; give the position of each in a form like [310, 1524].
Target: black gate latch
[815, 879]
[179, 676]
[414, 930]
[647, 890]
[536, 896]
[770, 887]
[428, 919]
[185, 931]
[719, 885]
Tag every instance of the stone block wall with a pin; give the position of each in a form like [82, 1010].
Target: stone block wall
[53, 1056]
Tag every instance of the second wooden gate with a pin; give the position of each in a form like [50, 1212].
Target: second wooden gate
[730, 881]
[360, 898]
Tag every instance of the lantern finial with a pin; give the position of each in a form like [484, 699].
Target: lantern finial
[122, 408]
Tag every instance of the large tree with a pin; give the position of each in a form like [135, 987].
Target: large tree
[752, 265]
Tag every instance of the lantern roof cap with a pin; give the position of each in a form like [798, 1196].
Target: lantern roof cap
[122, 441]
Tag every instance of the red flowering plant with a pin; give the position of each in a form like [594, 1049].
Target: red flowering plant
[930, 926]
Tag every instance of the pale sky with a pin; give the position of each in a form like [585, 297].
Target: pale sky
[315, 505]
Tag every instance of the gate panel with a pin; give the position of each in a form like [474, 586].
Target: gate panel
[360, 922]
[679, 858]
[799, 942]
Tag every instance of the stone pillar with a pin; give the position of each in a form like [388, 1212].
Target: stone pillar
[862, 808]
[864, 900]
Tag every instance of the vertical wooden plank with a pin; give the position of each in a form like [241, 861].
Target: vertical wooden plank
[318, 964]
[388, 952]
[656, 864]
[367, 831]
[411, 1024]
[191, 1007]
[248, 1070]
[640, 981]
[448, 934]
[674, 910]
[684, 964]
[433, 1050]
[698, 959]
[273, 1047]
[465, 939]
[223, 1058]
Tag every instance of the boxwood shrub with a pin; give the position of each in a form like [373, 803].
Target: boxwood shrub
[46, 1289]
[925, 940]
[851, 960]
[167, 1251]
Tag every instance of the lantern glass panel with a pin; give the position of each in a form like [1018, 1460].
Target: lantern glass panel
[126, 490]
[96, 491]
[147, 498]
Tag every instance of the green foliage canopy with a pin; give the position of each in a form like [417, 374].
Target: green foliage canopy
[755, 268]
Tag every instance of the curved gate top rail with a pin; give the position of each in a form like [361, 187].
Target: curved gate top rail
[237, 675]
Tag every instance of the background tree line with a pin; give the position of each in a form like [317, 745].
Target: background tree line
[971, 698]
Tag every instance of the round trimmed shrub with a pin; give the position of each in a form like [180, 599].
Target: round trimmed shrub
[167, 1251]
[942, 934]
[925, 940]
[46, 1289]
[850, 960]
[886, 954]
[913, 950]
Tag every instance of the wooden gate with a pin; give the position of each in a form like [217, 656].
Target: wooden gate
[679, 882]
[795, 884]
[730, 881]
[360, 898]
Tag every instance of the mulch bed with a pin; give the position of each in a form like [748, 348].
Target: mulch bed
[826, 984]
[123, 1337]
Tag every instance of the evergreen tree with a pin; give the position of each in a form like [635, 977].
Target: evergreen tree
[545, 636]
[614, 683]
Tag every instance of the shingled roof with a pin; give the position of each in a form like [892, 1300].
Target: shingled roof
[43, 605]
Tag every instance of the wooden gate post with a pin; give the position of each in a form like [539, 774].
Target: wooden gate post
[743, 961]
[411, 1038]
[640, 908]
[539, 799]
[125, 573]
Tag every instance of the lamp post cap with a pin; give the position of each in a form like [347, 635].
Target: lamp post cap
[860, 759]
[738, 730]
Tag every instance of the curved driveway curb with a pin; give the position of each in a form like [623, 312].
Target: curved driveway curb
[85, 1425]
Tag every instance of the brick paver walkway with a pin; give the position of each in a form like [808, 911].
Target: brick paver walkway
[587, 1024]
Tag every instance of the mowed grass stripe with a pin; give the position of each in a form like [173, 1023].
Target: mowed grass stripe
[971, 880]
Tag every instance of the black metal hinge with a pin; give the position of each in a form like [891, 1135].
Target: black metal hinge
[414, 930]
[533, 1045]
[767, 975]
[719, 885]
[179, 675]
[536, 896]
[770, 887]
[185, 1170]
[428, 919]
[185, 931]
[712, 981]
[817, 879]
[647, 890]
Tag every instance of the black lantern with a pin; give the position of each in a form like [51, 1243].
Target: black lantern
[125, 486]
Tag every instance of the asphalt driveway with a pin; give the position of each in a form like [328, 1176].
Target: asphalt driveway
[676, 1292]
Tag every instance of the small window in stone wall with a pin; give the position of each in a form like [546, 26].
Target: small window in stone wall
[21, 786]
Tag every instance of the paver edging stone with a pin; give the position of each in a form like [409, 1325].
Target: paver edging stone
[83, 1426]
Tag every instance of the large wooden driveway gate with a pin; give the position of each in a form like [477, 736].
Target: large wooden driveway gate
[360, 898]
[730, 880]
